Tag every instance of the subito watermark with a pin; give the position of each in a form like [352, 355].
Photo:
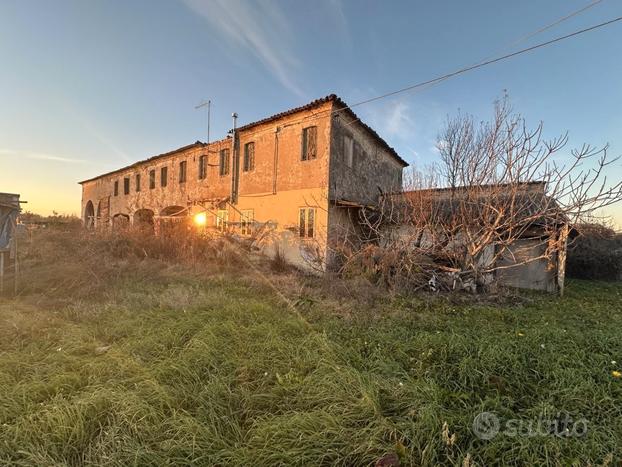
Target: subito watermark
[488, 425]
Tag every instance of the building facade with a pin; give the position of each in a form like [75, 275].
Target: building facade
[296, 176]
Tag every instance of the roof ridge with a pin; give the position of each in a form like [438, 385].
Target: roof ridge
[314, 103]
[323, 100]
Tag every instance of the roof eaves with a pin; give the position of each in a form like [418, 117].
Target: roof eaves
[150, 159]
[311, 105]
[343, 107]
[346, 108]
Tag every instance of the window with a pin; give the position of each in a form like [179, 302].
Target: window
[246, 221]
[306, 222]
[116, 187]
[348, 150]
[126, 185]
[224, 162]
[309, 143]
[222, 219]
[152, 179]
[359, 155]
[182, 171]
[137, 182]
[163, 176]
[249, 157]
[202, 167]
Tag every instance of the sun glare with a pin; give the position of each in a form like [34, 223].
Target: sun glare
[200, 219]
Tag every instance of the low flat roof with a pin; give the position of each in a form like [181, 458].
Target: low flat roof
[10, 200]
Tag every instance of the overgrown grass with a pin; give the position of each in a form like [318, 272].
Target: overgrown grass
[113, 359]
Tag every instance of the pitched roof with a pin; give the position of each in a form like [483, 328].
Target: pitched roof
[336, 100]
[343, 107]
[150, 159]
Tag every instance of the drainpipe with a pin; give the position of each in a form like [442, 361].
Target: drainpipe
[276, 158]
[235, 162]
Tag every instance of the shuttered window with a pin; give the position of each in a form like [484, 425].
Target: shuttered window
[163, 176]
[224, 162]
[182, 171]
[309, 143]
[249, 157]
[202, 167]
[348, 150]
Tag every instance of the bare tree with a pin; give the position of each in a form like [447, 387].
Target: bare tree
[499, 186]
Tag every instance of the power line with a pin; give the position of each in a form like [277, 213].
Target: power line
[488, 62]
[461, 70]
[512, 44]
[548, 26]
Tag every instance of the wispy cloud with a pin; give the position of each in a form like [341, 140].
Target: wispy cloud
[86, 123]
[258, 27]
[105, 141]
[39, 156]
[336, 12]
[393, 119]
[399, 121]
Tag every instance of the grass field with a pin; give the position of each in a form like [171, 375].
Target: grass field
[109, 359]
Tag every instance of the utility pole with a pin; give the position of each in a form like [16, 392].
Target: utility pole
[235, 161]
[207, 104]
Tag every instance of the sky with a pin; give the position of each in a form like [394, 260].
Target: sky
[90, 86]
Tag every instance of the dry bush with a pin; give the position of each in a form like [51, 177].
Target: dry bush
[497, 183]
[393, 267]
[278, 263]
[63, 264]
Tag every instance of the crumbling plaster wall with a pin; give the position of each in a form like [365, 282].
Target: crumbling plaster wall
[275, 189]
[374, 170]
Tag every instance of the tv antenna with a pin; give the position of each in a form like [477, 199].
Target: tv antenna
[207, 104]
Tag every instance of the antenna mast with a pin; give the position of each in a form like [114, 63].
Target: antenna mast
[207, 104]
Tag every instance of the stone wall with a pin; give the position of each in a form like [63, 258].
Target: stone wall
[373, 170]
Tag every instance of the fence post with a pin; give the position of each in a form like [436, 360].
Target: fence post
[1, 271]
[16, 265]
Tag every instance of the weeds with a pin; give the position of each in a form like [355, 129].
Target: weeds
[204, 364]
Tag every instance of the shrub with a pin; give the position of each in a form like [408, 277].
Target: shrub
[595, 254]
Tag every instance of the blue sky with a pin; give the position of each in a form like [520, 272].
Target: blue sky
[89, 86]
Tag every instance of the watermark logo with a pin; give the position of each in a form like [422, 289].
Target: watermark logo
[487, 425]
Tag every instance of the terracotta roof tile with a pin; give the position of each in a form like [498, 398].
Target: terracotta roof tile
[343, 107]
[150, 159]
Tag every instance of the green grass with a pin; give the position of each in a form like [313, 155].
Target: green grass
[166, 365]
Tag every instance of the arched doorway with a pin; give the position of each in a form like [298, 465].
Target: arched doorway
[120, 221]
[143, 220]
[174, 211]
[98, 216]
[89, 215]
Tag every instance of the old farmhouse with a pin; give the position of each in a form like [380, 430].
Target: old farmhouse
[298, 172]
[295, 183]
